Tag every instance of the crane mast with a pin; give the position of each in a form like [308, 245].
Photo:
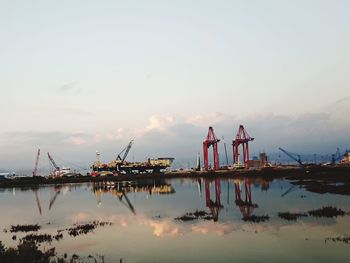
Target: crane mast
[35, 172]
[291, 155]
[53, 162]
[126, 151]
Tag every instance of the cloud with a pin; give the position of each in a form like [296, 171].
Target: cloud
[69, 86]
[182, 136]
[156, 123]
[75, 140]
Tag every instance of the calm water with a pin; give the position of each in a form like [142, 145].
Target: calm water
[145, 230]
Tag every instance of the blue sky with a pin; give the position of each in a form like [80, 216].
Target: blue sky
[76, 76]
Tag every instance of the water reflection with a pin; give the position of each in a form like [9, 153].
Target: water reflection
[242, 194]
[56, 190]
[245, 205]
[121, 190]
[37, 199]
[214, 206]
[152, 206]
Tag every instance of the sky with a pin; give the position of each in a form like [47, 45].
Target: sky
[80, 76]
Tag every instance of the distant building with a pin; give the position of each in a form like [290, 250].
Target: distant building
[258, 162]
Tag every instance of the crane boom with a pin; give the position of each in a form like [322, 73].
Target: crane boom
[298, 160]
[53, 162]
[35, 172]
[126, 151]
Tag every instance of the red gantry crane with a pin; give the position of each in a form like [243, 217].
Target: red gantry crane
[243, 138]
[211, 140]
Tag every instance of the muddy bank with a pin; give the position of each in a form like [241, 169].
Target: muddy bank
[27, 251]
[291, 216]
[83, 229]
[195, 216]
[325, 211]
[24, 228]
[342, 239]
[42, 238]
[256, 219]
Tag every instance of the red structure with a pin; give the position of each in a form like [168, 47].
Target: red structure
[211, 140]
[246, 206]
[35, 172]
[213, 206]
[243, 138]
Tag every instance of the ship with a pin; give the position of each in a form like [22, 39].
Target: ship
[121, 166]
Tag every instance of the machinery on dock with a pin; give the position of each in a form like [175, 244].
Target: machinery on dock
[65, 171]
[121, 166]
[242, 138]
[346, 159]
[294, 156]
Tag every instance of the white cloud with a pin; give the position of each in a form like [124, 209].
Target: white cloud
[75, 140]
[181, 136]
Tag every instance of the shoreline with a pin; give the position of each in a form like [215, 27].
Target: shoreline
[333, 174]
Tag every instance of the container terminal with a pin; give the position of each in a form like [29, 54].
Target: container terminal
[242, 165]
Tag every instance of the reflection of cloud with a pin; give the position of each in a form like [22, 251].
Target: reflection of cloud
[167, 227]
[163, 228]
[214, 227]
[80, 217]
[80, 247]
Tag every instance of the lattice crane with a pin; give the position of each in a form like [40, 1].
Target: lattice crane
[211, 140]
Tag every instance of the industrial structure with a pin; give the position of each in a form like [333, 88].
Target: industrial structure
[211, 140]
[121, 166]
[242, 138]
[65, 171]
[35, 172]
[296, 157]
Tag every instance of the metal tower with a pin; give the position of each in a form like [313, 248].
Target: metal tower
[211, 140]
[243, 138]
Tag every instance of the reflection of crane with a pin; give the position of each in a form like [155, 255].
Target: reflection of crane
[294, 156]
[213, 206]
[37, 200]
[53, 199]
[246, 207]
[127, 203]
[119, 193]
[35, 172]
[126, 151]
[199, 183]
[288, 190]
